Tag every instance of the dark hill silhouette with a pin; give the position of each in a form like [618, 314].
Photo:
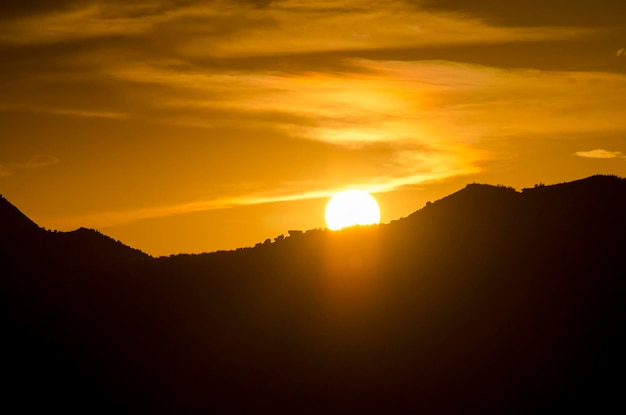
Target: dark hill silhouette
[12, 221]
[23, 239]
[486, 301]
[42, 274]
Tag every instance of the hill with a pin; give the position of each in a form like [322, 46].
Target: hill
[12, 221]
[22, 240]
[486, 301]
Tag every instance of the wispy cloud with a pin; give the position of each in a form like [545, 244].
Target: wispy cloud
[38, 161]
[451, 107]
[4, 172]
[155, 59]
[109, 219]
[121, 217]
[65, 111]
[600, 154]
[35, 162]
[226, 28]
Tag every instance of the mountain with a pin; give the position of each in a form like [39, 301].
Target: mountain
[12, 221]
[41, 274]
[22, 239]
[486, 301]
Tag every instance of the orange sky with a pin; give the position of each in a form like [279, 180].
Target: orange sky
[193, 126]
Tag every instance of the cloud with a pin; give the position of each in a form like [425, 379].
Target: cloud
[223, 28]
[35, 162]
[4, 172]
[381, 101]
[108, 219]
[66, 112]
[128, 56]
[117, 218]
[537, 12]
[15, 10]
[600, 154]
[621, 52]
[434, 119]
[38, 161]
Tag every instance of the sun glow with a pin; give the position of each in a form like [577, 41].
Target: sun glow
[351, 207]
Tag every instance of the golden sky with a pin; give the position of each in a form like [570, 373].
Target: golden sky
[193, 126]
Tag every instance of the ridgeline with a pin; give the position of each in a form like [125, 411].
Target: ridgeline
[487, 301]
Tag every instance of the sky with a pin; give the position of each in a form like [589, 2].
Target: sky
[195, 126]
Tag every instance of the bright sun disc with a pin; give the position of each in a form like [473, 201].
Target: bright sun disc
[351, 207]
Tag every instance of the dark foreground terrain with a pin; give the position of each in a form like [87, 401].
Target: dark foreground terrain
[486, 301]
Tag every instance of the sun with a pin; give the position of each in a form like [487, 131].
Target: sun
[351, 207]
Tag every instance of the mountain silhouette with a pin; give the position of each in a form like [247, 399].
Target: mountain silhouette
[12, 221]
[21, 238]
[489, 300]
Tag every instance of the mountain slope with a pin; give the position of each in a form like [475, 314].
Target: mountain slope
[23, 241]
[43, 274]
[486, 301]
[12, 221]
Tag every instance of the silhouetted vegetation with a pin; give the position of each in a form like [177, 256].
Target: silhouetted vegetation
[486, 301]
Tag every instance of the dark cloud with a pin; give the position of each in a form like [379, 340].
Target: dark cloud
[191, 26]
[162, 39]
[60, 91]
[107, 8]
[72, 56]
[19, 9]
[256, 3]
[189, 37]
[569, 54]
[333, 61]
[562, 55]
[537, 12]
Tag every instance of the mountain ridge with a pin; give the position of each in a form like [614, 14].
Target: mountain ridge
[487, 301]
[13, 221]
[20, 235]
